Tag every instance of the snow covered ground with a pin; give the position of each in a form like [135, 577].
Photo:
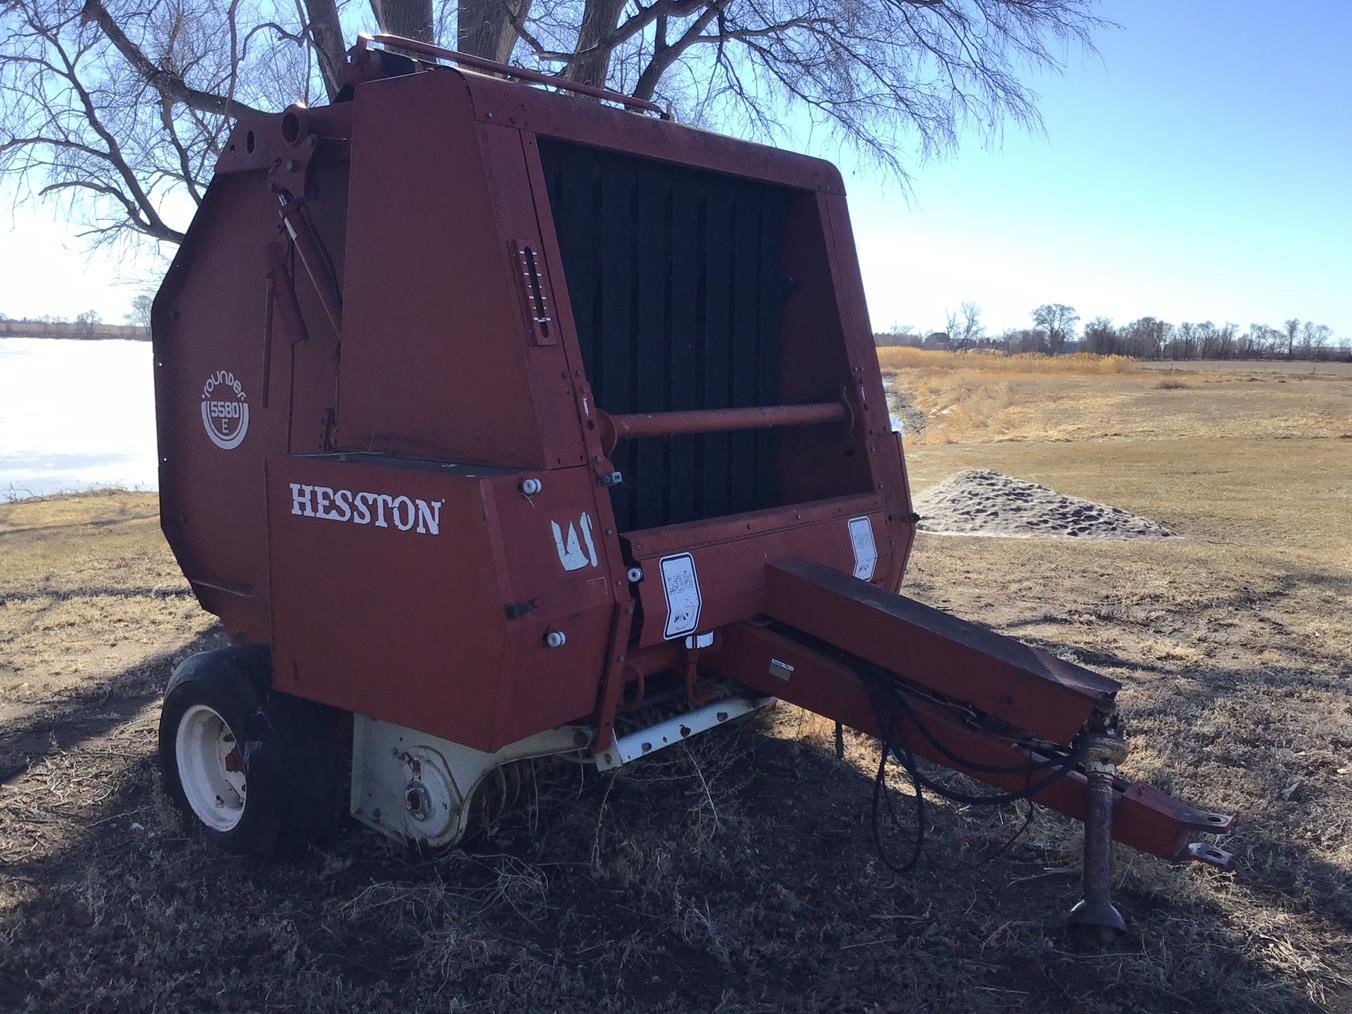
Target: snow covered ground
[75, 415]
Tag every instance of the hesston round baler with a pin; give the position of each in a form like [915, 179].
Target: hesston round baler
[498, 423]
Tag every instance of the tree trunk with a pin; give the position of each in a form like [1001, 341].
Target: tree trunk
[484, 27]
[592, 64]
[326, 35]
[410, 18]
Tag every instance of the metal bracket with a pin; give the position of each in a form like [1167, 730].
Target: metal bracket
[1207, 820]
[1209, 854]
[675, 730]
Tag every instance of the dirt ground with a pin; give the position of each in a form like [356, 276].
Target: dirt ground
[738, 874]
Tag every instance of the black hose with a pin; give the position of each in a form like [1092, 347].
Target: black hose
[887, 699]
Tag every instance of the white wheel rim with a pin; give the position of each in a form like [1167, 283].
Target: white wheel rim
[210, 767]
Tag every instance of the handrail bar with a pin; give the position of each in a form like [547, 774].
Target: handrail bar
[520, 73]
[636, 426]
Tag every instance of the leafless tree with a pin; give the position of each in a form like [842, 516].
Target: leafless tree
[123, 107]
[1215, 342]
[1182, 341]
[1101, 338]
[124, 113]
[1291, 328]
[898, 334]
[88, 321]
[1025, 340]
[139, 315]
[1146, 338]
[1057, 321]
[1257, 341]
[965, 329]
[1313, 338]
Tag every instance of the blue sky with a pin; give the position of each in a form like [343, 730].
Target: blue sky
[1199, 167]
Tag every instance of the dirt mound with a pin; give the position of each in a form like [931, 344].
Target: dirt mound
[982, 502]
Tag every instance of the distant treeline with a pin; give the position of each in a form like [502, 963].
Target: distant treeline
[1054, 333]
[92, 330]
[1149, 338]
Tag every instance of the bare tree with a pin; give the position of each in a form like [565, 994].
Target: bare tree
[1215, 342]
[139, 315]
[1256, 341]
[1146, 338]
[1291, 328]
[123, 108]
[965, 329]
[1101, 337]
[1182, 341]
[1313, 338]
[1057, 321]
[1026, 340]
[898, 334]
[88, 321]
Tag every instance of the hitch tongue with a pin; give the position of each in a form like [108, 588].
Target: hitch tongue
[1094, 918]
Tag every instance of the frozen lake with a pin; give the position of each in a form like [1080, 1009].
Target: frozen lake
[75, 415]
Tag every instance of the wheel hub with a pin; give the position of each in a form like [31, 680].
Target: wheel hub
[210, 768]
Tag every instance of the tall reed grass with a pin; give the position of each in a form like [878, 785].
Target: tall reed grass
[894, 358]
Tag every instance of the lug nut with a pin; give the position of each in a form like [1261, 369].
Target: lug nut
[555, 639]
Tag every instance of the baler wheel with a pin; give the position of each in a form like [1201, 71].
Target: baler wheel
[255, 772]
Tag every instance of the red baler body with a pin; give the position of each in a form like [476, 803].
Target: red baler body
[481, 404]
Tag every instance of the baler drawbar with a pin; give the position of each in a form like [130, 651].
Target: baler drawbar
[498, 423]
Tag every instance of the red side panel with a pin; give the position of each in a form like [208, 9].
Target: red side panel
[422, 594]
[215, 416]
[435, 358]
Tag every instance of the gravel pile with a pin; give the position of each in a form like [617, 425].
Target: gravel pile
[983, 502]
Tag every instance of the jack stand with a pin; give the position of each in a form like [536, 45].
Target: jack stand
[1094, 918]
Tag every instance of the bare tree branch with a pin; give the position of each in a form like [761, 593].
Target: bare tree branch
[120, 105]
[167, 82]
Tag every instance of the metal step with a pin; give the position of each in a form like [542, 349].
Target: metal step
[642, 742]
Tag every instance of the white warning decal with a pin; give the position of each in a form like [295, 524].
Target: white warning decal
[225, 410]
[865, 551]
[682, 591]
[571, 552]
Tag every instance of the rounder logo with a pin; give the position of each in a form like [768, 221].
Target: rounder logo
[225, 410]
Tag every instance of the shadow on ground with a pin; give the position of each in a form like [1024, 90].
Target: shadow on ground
[90, 713]
[735, 873]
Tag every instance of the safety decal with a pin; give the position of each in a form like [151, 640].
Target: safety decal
[225, 410]
[681, 586]
[570, 547]
[865, 550]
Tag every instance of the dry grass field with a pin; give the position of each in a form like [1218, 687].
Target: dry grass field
[976, 399]
[738, 874]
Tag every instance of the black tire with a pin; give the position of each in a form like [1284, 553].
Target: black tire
[275, 763]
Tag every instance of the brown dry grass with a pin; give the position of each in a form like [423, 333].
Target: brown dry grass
[900, 357]
[738, 874]
[972, 399]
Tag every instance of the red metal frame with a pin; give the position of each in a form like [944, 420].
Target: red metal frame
[1144, 818]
